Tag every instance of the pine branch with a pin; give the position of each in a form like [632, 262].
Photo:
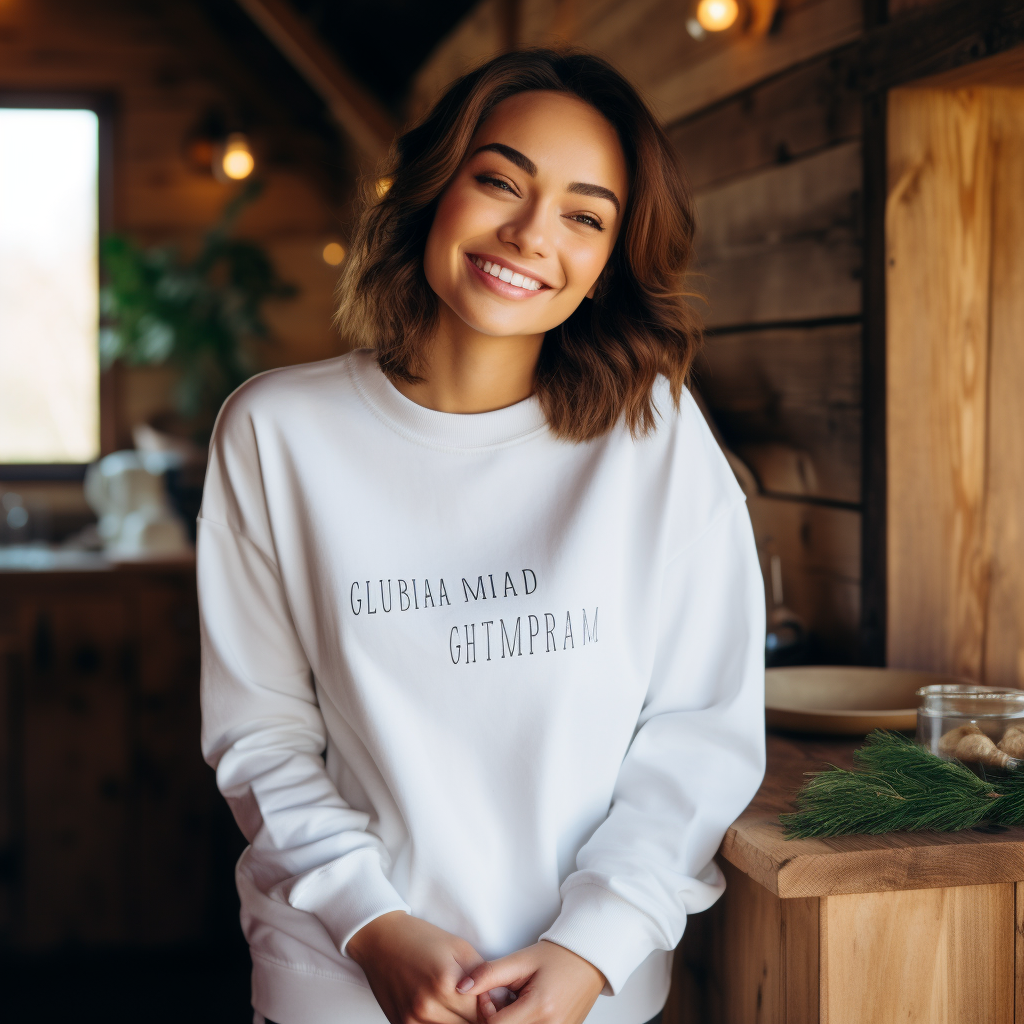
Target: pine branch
[1009, 808]
[897, 786]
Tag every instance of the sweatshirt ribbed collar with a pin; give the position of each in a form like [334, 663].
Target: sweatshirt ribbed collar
[442, 429]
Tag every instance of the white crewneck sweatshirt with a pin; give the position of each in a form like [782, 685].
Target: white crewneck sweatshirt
[455, 666]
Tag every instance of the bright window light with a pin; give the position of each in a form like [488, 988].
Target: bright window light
[49, 289]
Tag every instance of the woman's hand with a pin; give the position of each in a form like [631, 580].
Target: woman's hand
[551, 985]
[413, 967]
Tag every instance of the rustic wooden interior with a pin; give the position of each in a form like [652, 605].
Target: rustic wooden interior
[857, 166]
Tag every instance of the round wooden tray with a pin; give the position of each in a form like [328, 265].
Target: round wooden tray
[844, 700]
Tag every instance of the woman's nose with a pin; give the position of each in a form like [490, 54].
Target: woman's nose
[529, 232]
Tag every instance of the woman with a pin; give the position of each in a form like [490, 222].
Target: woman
[483, 622]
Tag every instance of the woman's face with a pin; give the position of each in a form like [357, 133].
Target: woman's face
[529, 221]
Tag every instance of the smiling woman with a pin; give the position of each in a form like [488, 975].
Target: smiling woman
[483, 618]
[551, 167]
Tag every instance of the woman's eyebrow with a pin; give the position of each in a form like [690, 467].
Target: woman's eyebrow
[524, 163]
[581, 188]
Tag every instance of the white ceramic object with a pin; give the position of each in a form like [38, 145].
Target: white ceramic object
[135, 517]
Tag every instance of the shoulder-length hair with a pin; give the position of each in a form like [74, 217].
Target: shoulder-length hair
[602, 362]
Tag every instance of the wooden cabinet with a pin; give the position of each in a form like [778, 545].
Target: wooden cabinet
[921, 928]
[107, 806]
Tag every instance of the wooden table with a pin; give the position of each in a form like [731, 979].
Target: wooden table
[911, 927]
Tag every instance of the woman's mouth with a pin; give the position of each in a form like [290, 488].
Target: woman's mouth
[505, 275]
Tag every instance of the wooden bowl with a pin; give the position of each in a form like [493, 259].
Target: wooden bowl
[844, 700]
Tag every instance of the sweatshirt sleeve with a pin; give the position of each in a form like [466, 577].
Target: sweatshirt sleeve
[695, 761]
[263, 731]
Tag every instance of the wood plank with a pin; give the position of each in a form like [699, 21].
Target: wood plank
[76, 772]
[1018, 950]
[751, 957]
[941, 39]
[173, 792]
[1004, 509]
[873, 454]
[805, 32]
[939, 246]
[783, 244]
[801, 933]
[809, 108]
[794, 868]
[799, 387]
[932, 956]
[748, 966]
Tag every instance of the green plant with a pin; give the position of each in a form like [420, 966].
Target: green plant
[897, 785]
[200, 315]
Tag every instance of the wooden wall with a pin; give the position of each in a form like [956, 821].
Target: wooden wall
[163, 66]
[766, 119]
[777, 173]
[955, 284]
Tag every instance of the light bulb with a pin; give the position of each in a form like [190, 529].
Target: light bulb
[333, 253]
[717, 15]
[237, 161]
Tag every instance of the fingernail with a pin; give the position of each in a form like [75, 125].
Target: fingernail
[465, 985]
[488, 1007]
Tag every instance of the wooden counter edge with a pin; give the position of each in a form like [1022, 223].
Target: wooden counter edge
[808, 867]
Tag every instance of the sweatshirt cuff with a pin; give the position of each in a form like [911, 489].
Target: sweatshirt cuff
[347, 894]
[605, 930]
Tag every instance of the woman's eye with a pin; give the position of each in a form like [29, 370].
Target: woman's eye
[485, 179]
[585, 218]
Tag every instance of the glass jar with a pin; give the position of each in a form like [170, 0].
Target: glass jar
[983, 726]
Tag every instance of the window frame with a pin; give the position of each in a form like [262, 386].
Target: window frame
[103, 106]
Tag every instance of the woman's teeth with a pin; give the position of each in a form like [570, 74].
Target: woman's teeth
[506, 275]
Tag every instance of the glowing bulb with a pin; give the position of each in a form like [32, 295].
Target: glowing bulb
[237, 161]
[382, 186]
[333, 253]
[717, 15]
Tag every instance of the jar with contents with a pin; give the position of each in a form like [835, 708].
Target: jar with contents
[983, 726]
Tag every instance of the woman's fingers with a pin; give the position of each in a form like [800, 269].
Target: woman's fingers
[512, 971]
[525, 1010]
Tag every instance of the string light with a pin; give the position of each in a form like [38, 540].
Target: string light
[333, 253]
[237, 161]
[717, 15]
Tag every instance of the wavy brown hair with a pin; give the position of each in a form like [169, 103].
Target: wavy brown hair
[602, 362]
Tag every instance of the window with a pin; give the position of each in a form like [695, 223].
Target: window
[49, 287]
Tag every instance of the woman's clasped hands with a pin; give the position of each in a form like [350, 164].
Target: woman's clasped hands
[421, 974]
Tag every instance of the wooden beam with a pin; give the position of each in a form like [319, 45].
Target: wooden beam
[939, 38]
[803, 34]
[359, 115]
[873, 464]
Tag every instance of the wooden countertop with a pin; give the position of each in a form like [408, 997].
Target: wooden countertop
[846, 864]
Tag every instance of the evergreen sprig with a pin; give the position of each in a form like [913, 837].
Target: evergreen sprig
[897, 785]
